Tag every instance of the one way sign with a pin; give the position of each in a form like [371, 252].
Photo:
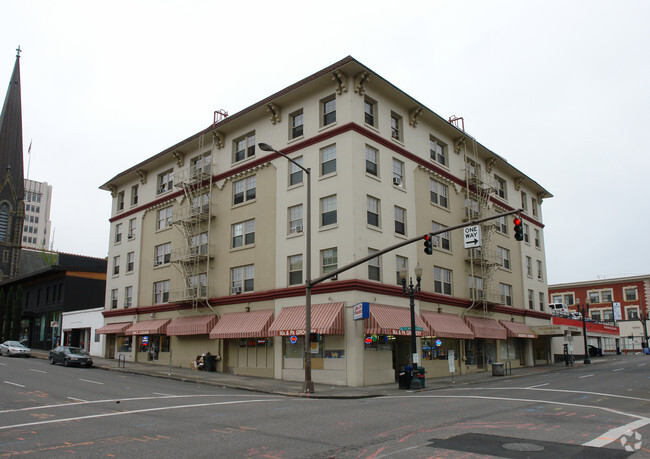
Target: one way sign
[472, 236]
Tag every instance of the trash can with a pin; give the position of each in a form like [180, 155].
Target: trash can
[498, 369]
[404, 378]
[209, 363]
[420, 374]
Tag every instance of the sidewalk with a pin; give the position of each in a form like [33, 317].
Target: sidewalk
[294, 388]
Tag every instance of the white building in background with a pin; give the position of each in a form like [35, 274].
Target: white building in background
[38, 201]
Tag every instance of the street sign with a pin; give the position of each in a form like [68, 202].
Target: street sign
[472, 236]
[409, 328]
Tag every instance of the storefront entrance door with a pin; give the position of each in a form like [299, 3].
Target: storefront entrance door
[401, 353]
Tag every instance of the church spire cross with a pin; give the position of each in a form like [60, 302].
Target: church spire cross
[18, 50]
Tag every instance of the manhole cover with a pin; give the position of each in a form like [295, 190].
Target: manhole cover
[523, 447]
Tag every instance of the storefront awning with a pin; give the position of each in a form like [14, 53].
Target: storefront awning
[447, 325]
[148, 327]
[486, 328]
[195, 325]
[253, 324]
[117, 328]
[326, 319]
[518, 330]
[393, 320]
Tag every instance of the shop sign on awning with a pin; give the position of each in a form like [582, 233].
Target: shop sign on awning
[148, 327]
[393, 320]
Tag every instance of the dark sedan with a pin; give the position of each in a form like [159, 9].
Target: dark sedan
[68, 355]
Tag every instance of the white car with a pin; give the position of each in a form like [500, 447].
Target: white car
[14, 348]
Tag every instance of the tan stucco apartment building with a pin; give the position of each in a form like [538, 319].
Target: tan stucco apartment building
[207, 241]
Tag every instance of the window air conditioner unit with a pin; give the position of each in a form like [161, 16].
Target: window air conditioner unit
[297, 229]
[131, 235]
[236, 290]
[397, 181]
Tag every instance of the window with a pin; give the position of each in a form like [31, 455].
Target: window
[502, 225]
[328, 111]
[116, 265]
[369, 110]
[243, 233]
[531, 299]
[118, 233]
[200, 204]
[244, 147]
[120, 201]
[471, 208]
[130, 262]
[439, 193]
[128, 296]
[372, 155]
[329, 260]
[201, 164]
[632, 313]
[524, 201]
[540, 274]
[242, 279]
[504, 257]
[541, 301]
[398, 172]
[328, 210]
[165, 181]
[295, 270]
[295, 125]
[630, 294]
[198, 285]
[161, 292]
[328, 160]
[526, 233]
[538, 240]
[373, 211]
[199, 244]
[162, 254]
[594, 297]
[400, 221]
[374, 267]
[396, 127]
[400, 263]
[134, 195]
[114, 298]
[438, 151]
[533, 206]
[131, 233]
[295, 219]
[606, 296]
[529, 269]
[442, 240]
[502, 190]
[442, 280]
[164, 218]
[568, 298]
[506, 294]
[475, 287]
[244, 190]
[295, 172]
[595, 315]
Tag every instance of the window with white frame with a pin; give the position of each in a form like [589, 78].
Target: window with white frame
[374, 266]
[164, 218]
[199, 244]
[439, 193]
[162, 254]
[594, 297]
[328, 160]
[295, 219]
[372, 211]
[538, 238]
[398, 173]
[134, 195]
[506, 294]
[442, 280]
[328, 210]
[132, 225]
[396, 128]
[595, 315]
[442, 240]
[533, 206]
[328, 110]
[540, 271]
[503, 255]
[541, 301]
[296, 125]
[128, 296]
[118, 233]
[116, 265]
[243, 233]
[242, 279]
[475, 287]
[130, 262]
[502, 189]
[630, 293]
[120, 201]
[437, 151]
[606, 296]
[243, 147]
[369, 112]
[161, 292]
[632, 313]
[529, 268]
[531, 299]
[295, 172]
[471, 208]
[372, 158]
[114, 298]
[165, 181]
[244, 190]
[202, 164]
[524, 201]
[400, 264]
[329, 260]
[568, 298]
[198, 285]
[201, 203]
[526, 233]
[295, 269]
[400, 221]
[502, 225]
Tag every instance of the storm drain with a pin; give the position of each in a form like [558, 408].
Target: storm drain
[528, 447]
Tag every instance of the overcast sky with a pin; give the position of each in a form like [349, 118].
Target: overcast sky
[558, 88]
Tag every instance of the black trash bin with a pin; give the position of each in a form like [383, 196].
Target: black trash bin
[420, 375]
[209, 363]
[404, 378]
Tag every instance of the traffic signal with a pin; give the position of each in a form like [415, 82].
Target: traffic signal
[314, 337]
[428, 244]
[519, 230]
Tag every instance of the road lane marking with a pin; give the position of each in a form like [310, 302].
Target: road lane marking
[553, 390]
[614, 434]
[88, 380]
[641, 365]
[533, 387]
[77, 399]
[37, 371]
[618, 369]
[160, 393]
[13, 383]
[585, 376]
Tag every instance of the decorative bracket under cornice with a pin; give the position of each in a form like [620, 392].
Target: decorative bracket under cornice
[243, 174]
[540, 197]
[518, 182]
[458, 144]
[359, 82]
[142, 175]
[219, 139]
[113, 190]
[414, 115]
[180, 157]
[275, 112]
[489, 163]
[340, 78]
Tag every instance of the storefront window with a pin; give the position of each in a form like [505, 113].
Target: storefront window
[124, 343]
[438, 348]
[333, 346]
[491, 350]
[256, 342]
[470, 352]
[329, 347]
[293, 350]
[380, 343]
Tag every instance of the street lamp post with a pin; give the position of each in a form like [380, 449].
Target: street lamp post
[411, 290]
[308, 384]
[583, 312]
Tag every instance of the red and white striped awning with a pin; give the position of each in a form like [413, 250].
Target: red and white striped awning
[253, 324]
[518, 330]
[148, 327]
[326, 319]
[486, 328]
[447, 325]
[194, 325]
[393, 320]
[117, 328]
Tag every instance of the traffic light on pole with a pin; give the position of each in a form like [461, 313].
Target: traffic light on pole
[519, 230]
[428, 244]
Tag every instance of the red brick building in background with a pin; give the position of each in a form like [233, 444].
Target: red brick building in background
[602, 296]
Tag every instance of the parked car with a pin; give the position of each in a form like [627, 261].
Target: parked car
[14, 348]
[595, 351]
[68, 355]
